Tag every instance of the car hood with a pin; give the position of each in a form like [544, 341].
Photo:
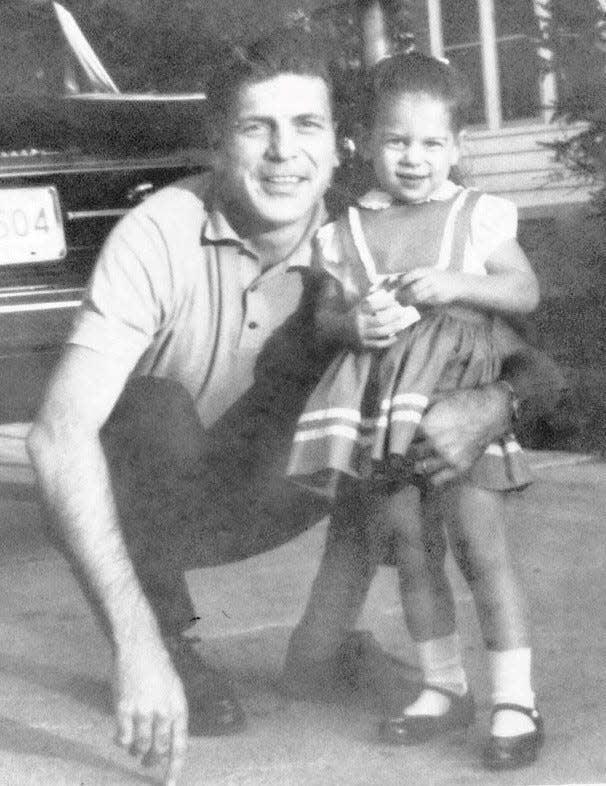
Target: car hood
[97, 124]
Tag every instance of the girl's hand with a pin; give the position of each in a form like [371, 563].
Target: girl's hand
[430, 287]
[378, 318]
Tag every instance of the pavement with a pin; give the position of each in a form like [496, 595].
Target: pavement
[56, 724]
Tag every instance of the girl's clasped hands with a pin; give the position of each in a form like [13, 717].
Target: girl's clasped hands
[389, 307]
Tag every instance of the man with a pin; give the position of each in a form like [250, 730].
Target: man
[194, 286]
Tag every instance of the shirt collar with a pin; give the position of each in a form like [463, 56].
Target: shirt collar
[301, 257]
[379, 200]
[217, 230]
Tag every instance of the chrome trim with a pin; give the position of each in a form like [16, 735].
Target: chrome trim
[40, 290]
[190, 157]
[20, 307]
[77, 215]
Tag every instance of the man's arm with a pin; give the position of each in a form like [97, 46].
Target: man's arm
[457, 429]
[73, 476]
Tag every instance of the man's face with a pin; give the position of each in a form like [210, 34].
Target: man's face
[277, 154]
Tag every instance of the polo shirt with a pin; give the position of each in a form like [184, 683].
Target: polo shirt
[177, 294]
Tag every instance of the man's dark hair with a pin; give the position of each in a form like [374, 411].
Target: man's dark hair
[418, 73]
[285, 51]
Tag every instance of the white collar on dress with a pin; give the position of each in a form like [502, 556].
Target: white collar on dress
[379, 200]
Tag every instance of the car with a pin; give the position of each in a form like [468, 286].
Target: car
[75, 155]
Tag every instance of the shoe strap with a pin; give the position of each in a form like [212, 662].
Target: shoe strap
[531, 712]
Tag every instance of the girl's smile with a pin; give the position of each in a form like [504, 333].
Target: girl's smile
[412, 145]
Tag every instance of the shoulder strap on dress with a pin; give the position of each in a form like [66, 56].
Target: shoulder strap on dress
[461, 228]
[361, 245]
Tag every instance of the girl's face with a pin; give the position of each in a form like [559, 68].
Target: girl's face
[412, 145]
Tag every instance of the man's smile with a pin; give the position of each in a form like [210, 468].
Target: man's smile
[281, 184]
[410, 178]
[283, 178]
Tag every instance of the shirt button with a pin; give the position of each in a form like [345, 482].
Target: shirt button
[253, 325]
[253, 288]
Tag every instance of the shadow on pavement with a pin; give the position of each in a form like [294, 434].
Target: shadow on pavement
[16, 737]
[85, 689]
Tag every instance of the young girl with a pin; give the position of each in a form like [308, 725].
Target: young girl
[411, 283]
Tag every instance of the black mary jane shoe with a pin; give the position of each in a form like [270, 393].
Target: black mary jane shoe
[415, 729]
[509, 753]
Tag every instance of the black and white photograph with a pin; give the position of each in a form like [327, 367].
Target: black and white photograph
[303, 392]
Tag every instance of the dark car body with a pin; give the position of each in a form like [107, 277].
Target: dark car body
[72, 161]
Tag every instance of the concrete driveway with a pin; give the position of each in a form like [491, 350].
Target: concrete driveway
[56, 724]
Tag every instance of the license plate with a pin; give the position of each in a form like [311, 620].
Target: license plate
[31, 229]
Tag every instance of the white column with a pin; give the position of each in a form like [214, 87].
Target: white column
[548, 89]
[434, 18]
[490, 64]
[600, 26]
[373, 30]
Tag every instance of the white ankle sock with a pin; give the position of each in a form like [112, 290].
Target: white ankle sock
[441, 665]
[510, 671]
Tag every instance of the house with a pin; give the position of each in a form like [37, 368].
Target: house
[494, 42]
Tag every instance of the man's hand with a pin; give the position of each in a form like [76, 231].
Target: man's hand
[379, 318]
[151, 708]
[457, 430]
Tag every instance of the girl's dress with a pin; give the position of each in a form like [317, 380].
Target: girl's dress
[363, 416]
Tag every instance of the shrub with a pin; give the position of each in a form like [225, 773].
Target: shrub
[578, 40]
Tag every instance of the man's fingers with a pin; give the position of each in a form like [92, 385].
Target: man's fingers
[151, 759]
[124, 733]
[430, 465]
[436, 469]
[142, 734]
[445, 475]
[178, 749]
[161, 742]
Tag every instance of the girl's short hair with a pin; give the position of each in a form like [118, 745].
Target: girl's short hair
[415, 72]
[284, 51]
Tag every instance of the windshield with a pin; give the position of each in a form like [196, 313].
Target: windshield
[57, 96]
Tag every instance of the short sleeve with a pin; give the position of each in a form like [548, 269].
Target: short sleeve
[337, 256]
[494, 221]
[328, 255]
[126, 300]
[327, 246]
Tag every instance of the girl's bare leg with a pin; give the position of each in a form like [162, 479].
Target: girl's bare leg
[427, 597]
[421, 551]
[476, 521]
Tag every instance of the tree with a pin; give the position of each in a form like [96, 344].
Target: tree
[577, 37]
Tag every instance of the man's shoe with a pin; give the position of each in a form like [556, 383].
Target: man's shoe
[415, 729]
[508, 753]
[213, 707]
[360, 669]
